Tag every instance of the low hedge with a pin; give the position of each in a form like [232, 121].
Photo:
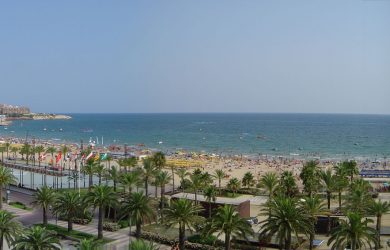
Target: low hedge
[110, 226]
[163, 240]
[20, 205]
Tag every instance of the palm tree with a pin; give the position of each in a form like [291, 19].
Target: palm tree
[142, 245]
[2, 150]
[234, 185]
[350, 169]
[196, 185]
[341, 181]
[158, 159]
[329, 182]
[68, 204]
[6, 178]
[219, 174]
[115, 176]
[44, 197]
[138, 207]
[184, 213]
[353, 233]
[314, 207]
[26, 149]
[270, 182]
[162, 178]
[100, 170]
[287, 184]
[14, 151]
[379, 208]
[39, 150]
[228, 221]
[172, 167]
[210, 193]
[51, 151]
[88, 244]
[37, 238]
[149, 172]
[248, 180]
[7, 146]
[182, 173]
[131, 179]
[310, 176]
[9, 228]
[89, 169]
[101, 197]
[359, 198]
[285, 218]
[127, 162]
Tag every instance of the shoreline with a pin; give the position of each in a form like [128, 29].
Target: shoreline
[118, 149]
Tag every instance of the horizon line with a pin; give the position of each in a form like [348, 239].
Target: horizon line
[233, 113]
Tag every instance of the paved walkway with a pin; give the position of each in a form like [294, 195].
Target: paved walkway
[121, 238]
[16, 211]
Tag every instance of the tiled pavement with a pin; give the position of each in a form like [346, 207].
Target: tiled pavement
[17, 211]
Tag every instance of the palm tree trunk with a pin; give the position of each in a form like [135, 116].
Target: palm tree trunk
[182, 229]
[328, 198]
[311, 241]
[1, 242]
[115, 186]
[162, 203]
[353, 244]
[155, 193]
[227, 241]
[209, 209]
[90, 182]
[44, 217]
[146, 187]
[100, 223]
[339, 199]
[173, 181]
[196, 198]
[138, 230]
[288, 241]
[1, 196]
[378, 229]
[70, 224]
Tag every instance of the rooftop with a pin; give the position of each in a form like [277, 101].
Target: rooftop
[220, 200]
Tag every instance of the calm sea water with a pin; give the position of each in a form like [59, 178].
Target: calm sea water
[325, 135]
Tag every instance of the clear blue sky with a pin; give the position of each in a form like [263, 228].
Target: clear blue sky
[196, 56]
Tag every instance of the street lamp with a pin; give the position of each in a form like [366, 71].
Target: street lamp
[8, 193]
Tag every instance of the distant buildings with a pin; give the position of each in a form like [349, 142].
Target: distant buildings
[13, 110]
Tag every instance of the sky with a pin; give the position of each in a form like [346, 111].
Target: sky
[196, 56]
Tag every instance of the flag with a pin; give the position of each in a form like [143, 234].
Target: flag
[89, 156]
[104, 156]
[97, 157]
[58, 158]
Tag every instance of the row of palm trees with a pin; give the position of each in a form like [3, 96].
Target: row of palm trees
[290, 213]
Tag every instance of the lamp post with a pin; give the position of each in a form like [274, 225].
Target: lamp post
[8, 193]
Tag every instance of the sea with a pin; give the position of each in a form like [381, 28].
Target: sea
[291, 135]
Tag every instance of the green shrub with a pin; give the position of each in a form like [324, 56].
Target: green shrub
[20, 205]
[110, 226]
[206, 239]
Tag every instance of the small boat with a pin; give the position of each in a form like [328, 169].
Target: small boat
[44, 129]
[60, 129]
[160, 142]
